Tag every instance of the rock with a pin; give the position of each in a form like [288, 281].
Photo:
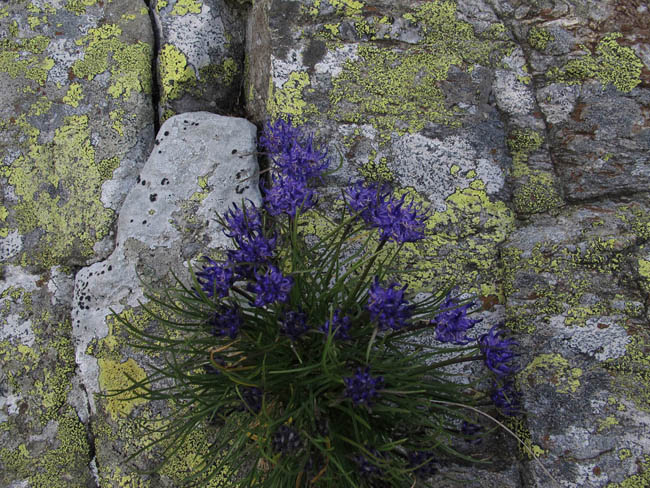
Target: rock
[75, 123]
[201, 55]
[200, 165]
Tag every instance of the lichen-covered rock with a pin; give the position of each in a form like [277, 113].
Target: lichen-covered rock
[201, 55]
[75, 125]
[200, 165]
[44, 441]
[573, 294]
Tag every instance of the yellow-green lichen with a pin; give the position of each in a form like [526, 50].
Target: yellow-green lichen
[4, 231]
[183, 7]
[224, 74]
[116, 376]
[176, 76]
[633, 372]
[537, 194]
[131, 63]
[376, 170]
[640, 480]
[117, 117]
[399, 90]
[106, 167]
[522, 143]
[78, 7]
[349, 8]
[624, 454]
[553, 369]
[538, 38]
[607, 423]
[41, 106]
[161, 5]
[58, 185]
[644, 273]
[74, 95]
[288, 100]
[610, 64]
[23, 57]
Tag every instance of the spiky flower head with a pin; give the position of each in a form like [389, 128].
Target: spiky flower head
[363, 388]
[271, 287]
[226, 321]
[294, 324]
[452, 323]
[387, 306]
[339, 326]
[215, 278]
[499, 357]
[288, 195]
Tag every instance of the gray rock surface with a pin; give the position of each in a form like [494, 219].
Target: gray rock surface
[201, 55]
[200, 165]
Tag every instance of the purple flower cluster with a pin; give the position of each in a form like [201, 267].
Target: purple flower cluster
[362, 388]
[339, 326]
[452, 323]
[215, 278]
[271, 287]
[296, 161]
[226, 322]
[379, 208]
[294, 324]
[387, 306]
[507, 398]
[499, 357]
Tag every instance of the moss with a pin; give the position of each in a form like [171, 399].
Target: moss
[399, 90]
[538, 38]
[183, 7]
[288, 100]
[610, 64]
[58, 184]
[538, 194]
[115, 376]
[131, 66]
[553, 369]
[175, 74]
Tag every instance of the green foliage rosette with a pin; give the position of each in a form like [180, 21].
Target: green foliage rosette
[307, 353]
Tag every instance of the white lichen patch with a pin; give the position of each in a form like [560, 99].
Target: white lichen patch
[334, 60]
[14, 326]
[512, 94]
[282, 68]
[11, 245]
[65, 53]
[439, 167]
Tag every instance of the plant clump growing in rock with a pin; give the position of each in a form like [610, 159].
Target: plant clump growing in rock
[308, 350]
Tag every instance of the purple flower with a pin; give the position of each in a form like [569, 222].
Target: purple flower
[252, 397]
[242, 223]
[365, 198]
[498, 355]
[294, 324]
[363, 388]
[226, 322]
[293, 153]
[288, 194]
[215, 278]
[422, 461]
[387, 306]
[399, 222]
[286, 440]
[452, 323]
[506, 398]
[252, 251]
[340, 326]
[271, 287]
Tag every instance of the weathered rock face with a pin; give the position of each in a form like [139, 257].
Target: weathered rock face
[525, 125]
[201, 55]
[201, 164]
[76, 124]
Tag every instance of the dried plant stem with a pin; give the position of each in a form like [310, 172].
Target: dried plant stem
[504, 427]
